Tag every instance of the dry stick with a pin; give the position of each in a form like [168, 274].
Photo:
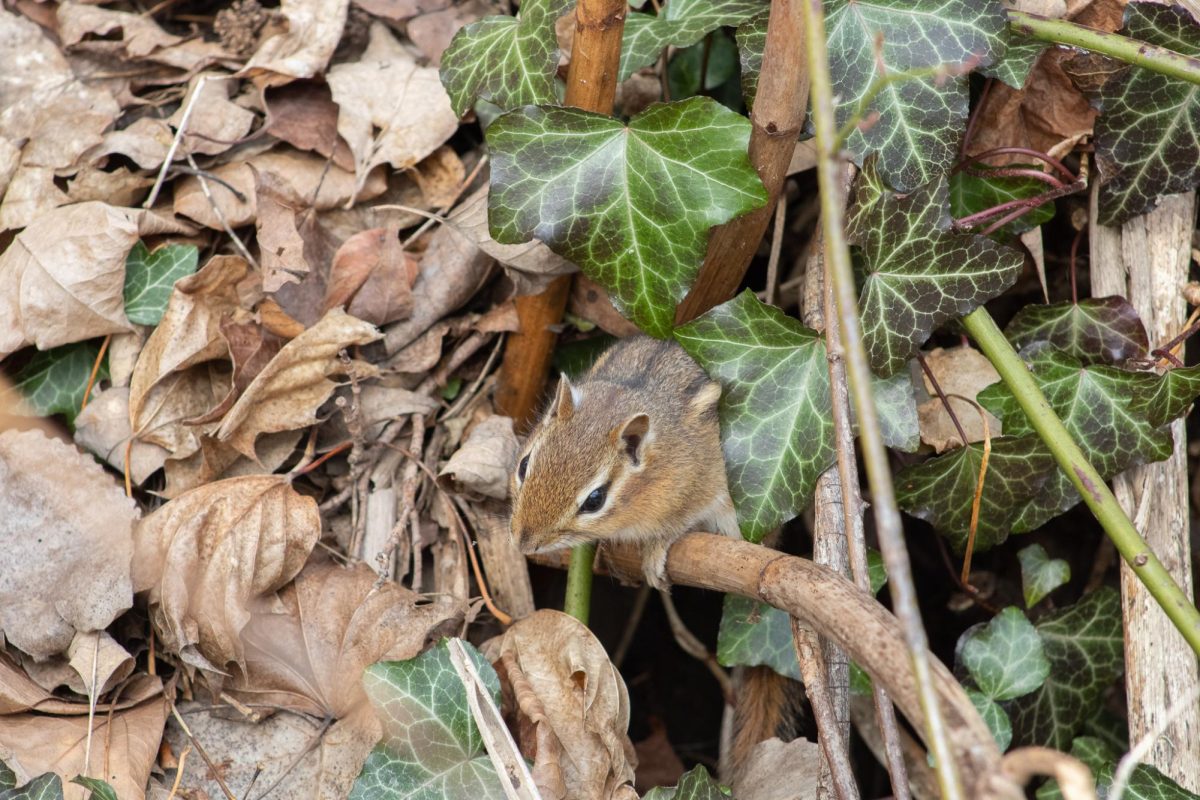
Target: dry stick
[591, 86]
[87, 391]
[216, 772]
[833, 744]
[887, 515]
[776, 118]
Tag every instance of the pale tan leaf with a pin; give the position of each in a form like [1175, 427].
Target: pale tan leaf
[99, 661]
[279, 241]
[304, 47]
[485, 460]
[10, 157]
[305, 116]
[440, 176]
[216, 123]
[400, 10]
[121, 187]
[103, 428]
[400, 126]
[962, 371]
[207, 555]
[139, 35]
[431, 32]
[286, 394]
[168, 412]
[64, 566]
[145, 142]
[778, 770]
[216, 459]
[32, 192]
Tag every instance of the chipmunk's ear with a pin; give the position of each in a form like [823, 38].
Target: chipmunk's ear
[705, 401]
[634, 433]
[564, 401]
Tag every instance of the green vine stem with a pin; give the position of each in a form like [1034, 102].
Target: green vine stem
[579, 582]
[879, 476]
[1122, 48]
[1083, 475]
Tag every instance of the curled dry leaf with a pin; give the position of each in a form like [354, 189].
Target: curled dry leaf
[99, 662]
[279, 241]
[304, 115]
[146, 142]
[963, 371]
[286, 394]
[400, 10]
[576, 705]
[103, 428]
[125, 36]
[208, 555]
[64, 567]
[482, 465]
[62, 279]
[373, 276]
[304, 46]
[216, 460]
[398, 127]
[216, 123]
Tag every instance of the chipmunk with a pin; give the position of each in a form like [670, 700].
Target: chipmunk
[631, 452]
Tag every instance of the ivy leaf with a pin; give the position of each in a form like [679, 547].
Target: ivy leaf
[1148, 131]
[1146, 782]
[755, 634]
[941, 490]
[1099, 330]
[47, 786]
[751, 39]
[631, 205]
[53, 382]
[876, 570]
[994, 717]
[775, 426]
[1041, 575]
[681, 23]
[1084, 647]
[1005, 656]
[1167, 398]
[970, 194]
[150, 277]
[508, 61]
[430, 746]
[99, 790]
[919, 273]
[896, 403]
[696, 784]
[1019, 57]
[1093, 403]
[920, 119]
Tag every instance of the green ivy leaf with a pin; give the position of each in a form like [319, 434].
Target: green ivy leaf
[1084, 647]
[53, 382]
[1148, 131]
[970, 194]
[1100, 330]
[896, 404]
[755, 634]
[720, 63]
[47, 786]
[1146, 782]
[100, 790]
[1040, 574]
[631, 205]
[942, 490]
[1019, 57]
[695, 784]
[1005, 656]
[681, 23]
[919, 273]
[8, 778]
[994, 717]
[1169, 397]
[508, 61]
[751, 39]
[920, 120]
[150, 277]
[430, 747]
[1093, 403]
[876, 570]
[775, 426]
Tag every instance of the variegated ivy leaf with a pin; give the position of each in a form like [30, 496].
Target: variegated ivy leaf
[1084, 647]
[1040, 574]
[1093, 403]
[508, 61]
[1145, 783]
[920, 119]
[755, 634]
[995, 717]
[53, 381]
[695, 784]
[1099, 330]
[632, 204]
[942, 490]
[751, 40]
[775, 425]
[47, 786]
[919, 273]
[681, 23]
[1017, 62]
[1167, 398]
[971, 193]
[1005, 657]
[430, 746]
[150, 277]
[1148, 131]
[896, 404]
[97, 789]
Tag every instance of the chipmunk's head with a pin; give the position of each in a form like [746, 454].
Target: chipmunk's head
[583, 466]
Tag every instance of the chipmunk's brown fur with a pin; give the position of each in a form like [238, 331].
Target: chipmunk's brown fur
[641, 429]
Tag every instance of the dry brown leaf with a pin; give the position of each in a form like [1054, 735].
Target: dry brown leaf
[119, 187]
[657, 762]
[306, 173]
[431, 32]
[99, 661]
[398, 127]
[778, 770]
[286, 394]
[10, 158]
[440, 177]
[65, 564]
[304, 115]
[103, 428]
[251, 347]
[373, 276]
[84, 26]
[279, 240]
[590, 301]
[304, 48]
[400, 10]
[575, 703]
[384, 212]
[125, 742]
[146, 142]
[483, 463]
[216, 123]
[962, 371]
[62, 279]
[216, 460]
[531, 266]
[167, 415]
[208, 555]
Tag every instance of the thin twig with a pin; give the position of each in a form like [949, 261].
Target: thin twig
[816, 681]
[212, 767]
[179, 132]
[1017, 151]
[978, 499]
[237, 241]
[688, 642]
[776, 247]
[179, 771]
[937, 387]
[87, 392]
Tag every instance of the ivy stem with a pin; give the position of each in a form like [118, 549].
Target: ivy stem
[887, 515]
[578, 601]
[1019, 151]
[1095, 492]
[1131, 51]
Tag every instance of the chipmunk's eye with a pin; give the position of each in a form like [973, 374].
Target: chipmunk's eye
[522, 467]
[594, 501]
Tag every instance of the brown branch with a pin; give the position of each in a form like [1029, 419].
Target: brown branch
[776, 119]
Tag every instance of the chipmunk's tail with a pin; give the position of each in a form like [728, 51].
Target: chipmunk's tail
[766, 705]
